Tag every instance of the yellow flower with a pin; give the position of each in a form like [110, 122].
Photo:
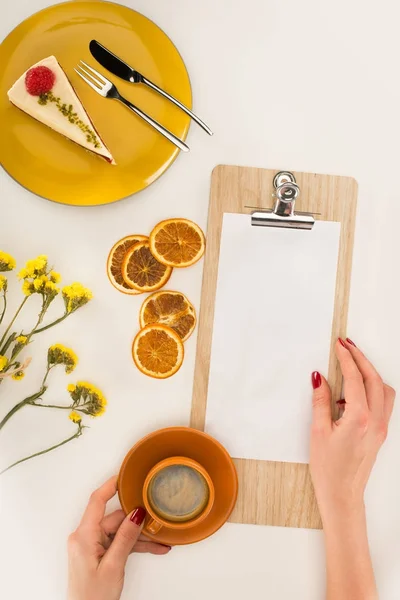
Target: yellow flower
[7, 262]
[3, 283]
[27, 288]
[85, 385]
[61, 355]
[51, 288]
[55, 277]
[71, 388]
[36, 266]
[39, 283]
[75, 296]
[98, 410]
[23, 274]
[18, 375]
[75, 417]
[89, 398]
[20, 342]
[3, 362]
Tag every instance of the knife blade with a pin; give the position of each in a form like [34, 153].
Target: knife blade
[121, 69]
[112, 63]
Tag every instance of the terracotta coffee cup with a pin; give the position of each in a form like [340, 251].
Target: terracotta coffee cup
[178, 493]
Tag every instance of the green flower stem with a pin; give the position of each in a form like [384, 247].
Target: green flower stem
[71, 407]
[18, 462]
[53, 406]
[45, 306]
[12, 412]
[49, 367]
[15, 349]
[12, 322]
[17, 407]
[8, 342]
[34, 330]
[59, 320]
[4, 306]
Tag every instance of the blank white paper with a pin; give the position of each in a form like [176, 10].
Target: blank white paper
[272, 328]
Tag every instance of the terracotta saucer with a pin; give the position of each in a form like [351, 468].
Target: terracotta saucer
[180, 441]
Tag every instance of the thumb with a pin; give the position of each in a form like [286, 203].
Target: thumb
[322, 412]
[125, 538]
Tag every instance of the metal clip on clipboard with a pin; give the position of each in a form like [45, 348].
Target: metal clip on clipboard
[283, 215]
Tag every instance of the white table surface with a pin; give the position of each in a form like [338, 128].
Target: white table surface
[309, 86]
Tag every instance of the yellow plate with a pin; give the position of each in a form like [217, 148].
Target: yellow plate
[55, 168]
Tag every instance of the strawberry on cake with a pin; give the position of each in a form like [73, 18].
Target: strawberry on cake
[45, 93]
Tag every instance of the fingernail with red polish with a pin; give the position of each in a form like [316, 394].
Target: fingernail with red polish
[138, 515]
[349, 341]
[342, 342]
[316, 380]
[341, 402]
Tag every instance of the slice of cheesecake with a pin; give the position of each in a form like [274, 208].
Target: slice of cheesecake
[45, 93]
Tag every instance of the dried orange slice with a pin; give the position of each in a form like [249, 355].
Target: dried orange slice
[169, 308]
[115, 259]
[158, 351]
[143, 272]
[177, 242]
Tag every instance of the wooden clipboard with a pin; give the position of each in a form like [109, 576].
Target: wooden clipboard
[273, 493]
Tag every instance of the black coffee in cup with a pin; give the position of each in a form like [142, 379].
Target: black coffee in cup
[178, 493]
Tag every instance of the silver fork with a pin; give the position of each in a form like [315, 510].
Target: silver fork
[107, 89]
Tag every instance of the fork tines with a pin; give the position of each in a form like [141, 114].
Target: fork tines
[96, 81]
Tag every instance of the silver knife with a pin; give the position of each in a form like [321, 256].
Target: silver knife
[118, 67]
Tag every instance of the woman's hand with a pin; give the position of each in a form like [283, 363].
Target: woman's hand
[343, 453]
[99, 548]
